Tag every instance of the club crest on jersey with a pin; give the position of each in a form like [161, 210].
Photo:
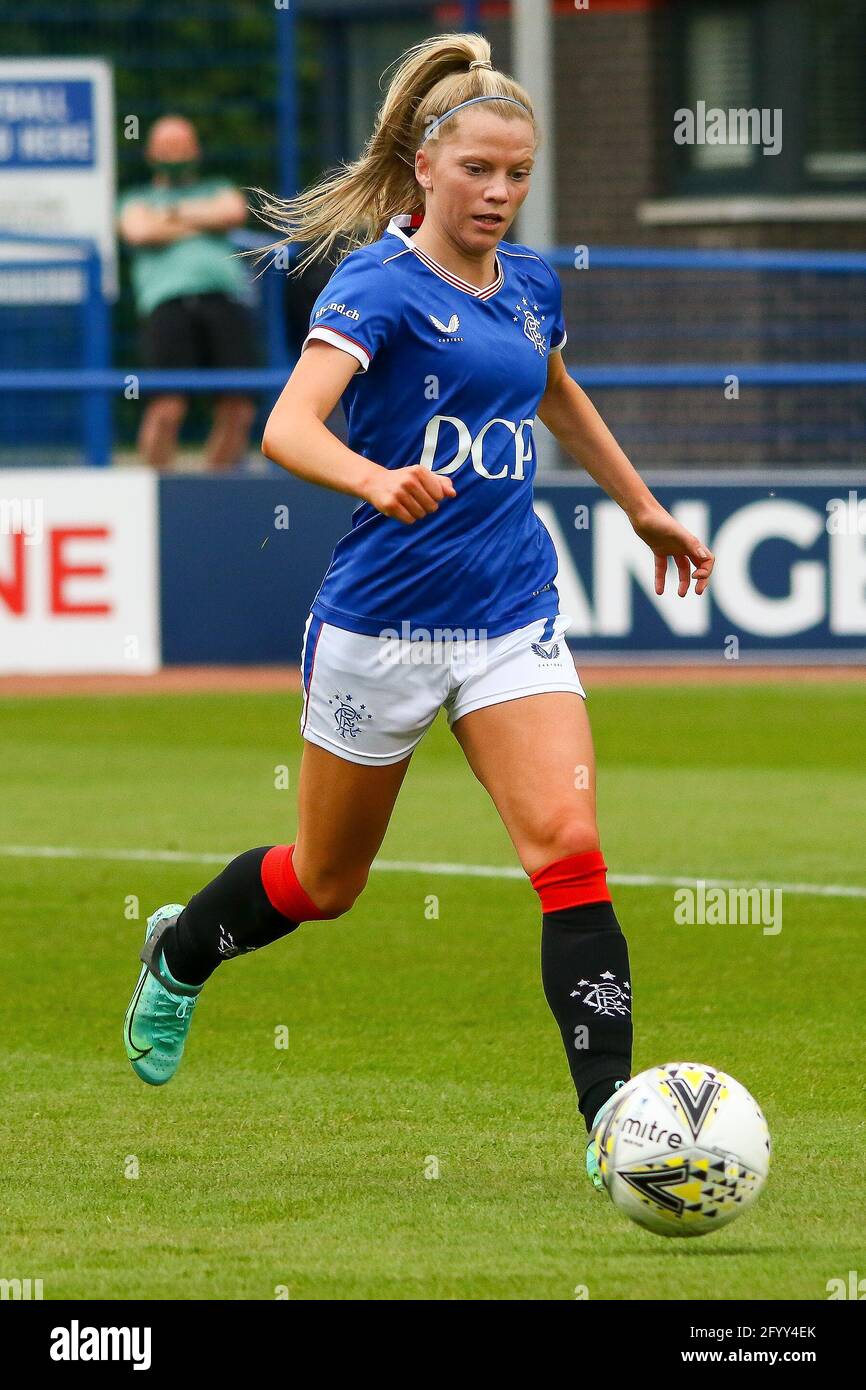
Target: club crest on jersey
[347, 718]
[547, 653]
[531, 325]
[450, 327]
[604, 996]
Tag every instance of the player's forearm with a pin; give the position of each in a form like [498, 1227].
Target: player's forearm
[571, 416]
[304, 446]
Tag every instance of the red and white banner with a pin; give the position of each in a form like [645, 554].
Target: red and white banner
[79, 571]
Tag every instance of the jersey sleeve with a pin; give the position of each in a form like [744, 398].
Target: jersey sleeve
[558, 335]
[359, 310]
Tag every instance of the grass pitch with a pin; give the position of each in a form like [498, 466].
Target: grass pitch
[419, 1043]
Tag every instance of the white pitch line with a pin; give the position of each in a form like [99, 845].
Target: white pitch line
[447, 870]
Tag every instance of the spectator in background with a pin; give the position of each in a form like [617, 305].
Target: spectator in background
[189, 288]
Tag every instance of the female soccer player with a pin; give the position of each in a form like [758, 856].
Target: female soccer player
[444, 341]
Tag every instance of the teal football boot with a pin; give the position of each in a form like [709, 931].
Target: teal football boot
[592, 1149]
[161, 1008]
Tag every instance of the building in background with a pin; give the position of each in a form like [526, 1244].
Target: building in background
[622, 70]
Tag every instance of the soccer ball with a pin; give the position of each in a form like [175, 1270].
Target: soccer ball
[683, 1149]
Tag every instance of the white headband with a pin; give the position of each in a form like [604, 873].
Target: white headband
[470, 102]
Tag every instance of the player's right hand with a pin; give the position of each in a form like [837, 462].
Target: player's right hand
[407, 494]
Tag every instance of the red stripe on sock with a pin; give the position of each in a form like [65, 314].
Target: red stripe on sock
[573, 881]
[285, 893]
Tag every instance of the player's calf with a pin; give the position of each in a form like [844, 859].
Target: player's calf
[586, 975]
[255, 901]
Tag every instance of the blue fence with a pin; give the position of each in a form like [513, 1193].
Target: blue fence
[693, 356]
[761, 354]
[55, 344]
[52, 316]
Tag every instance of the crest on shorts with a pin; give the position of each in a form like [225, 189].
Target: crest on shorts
[348, 719]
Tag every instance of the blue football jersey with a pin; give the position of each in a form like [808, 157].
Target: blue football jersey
[449, 376]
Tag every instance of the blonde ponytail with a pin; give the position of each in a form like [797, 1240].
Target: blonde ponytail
[353, 205]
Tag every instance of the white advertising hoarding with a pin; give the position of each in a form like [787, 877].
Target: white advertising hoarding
[79, 571]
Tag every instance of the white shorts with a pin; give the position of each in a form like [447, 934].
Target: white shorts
[372, 699]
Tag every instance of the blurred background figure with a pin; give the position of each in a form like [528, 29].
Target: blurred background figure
[189, 288]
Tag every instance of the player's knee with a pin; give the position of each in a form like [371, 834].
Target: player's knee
[564, 833]
[335, 893]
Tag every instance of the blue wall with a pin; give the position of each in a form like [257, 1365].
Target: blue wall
[236, 588]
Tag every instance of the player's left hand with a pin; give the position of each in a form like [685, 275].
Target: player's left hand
[665, 536]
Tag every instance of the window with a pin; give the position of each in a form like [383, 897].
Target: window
[719, 73]
[836, 104]
[778, 92]
[373, 44]
[347, 56]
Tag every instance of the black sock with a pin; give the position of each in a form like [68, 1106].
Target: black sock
[587, 983]
[592, 1100]
[231, 915]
